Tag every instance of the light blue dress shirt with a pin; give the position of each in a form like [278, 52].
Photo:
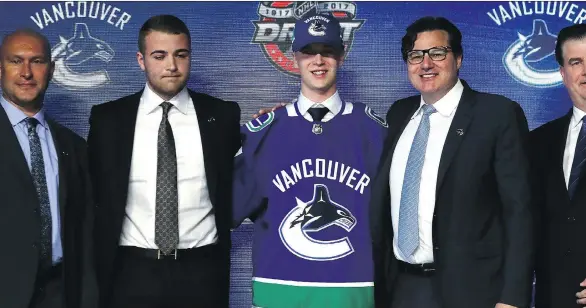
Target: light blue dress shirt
[17, 117]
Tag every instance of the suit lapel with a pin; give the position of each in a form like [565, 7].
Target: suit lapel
[456, 133]
[126, 127]
[206, 121]
[559, 138]
[63, 161]
[14, 153]
[381, 217]
[395, 131]
[558, 172]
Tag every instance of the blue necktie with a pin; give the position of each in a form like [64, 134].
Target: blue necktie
[408, 210]
[40, 181]
[579, 158]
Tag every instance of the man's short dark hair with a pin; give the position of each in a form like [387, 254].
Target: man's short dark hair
[162, 23]
[29, 32]
[573, 32]
[430, 23]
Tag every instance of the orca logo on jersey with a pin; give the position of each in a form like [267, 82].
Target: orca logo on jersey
[318, 214]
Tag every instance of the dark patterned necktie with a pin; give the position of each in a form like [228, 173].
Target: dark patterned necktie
[579, 159]
[166, 212]
[40, 181]
[318, 113]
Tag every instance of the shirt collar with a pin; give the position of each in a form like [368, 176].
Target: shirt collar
[15, 115]
[152, 100]
[577, 116]
[333, 103]
[447, 104]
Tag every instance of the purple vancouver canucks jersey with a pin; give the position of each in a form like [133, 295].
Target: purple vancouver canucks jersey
[307, 186]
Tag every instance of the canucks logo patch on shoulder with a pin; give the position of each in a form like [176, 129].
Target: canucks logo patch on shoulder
[261, 122]
[380, 120]
[319, 213]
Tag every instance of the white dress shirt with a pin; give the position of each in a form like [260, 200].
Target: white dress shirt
[439, 125]
[571, 140]
[197, 225]
[333, 103]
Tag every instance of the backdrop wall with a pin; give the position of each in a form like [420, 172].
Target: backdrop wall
[241, 52]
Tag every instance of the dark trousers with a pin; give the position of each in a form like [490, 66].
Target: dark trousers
[200, 281]
[411, 291]
[48, 289]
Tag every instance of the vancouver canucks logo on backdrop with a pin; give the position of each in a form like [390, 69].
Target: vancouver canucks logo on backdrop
[317, 214]
[81, 57]
[72, 52]
[530, 56]
[274, 28]
[524, 56]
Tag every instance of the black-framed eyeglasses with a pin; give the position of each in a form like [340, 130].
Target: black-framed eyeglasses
[437, 53]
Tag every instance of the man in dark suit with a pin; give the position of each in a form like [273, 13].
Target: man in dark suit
[46, 202]
[558, 151]
[161, 163]
[450, 215]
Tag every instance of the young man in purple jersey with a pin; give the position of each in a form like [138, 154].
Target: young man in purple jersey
[303, 175]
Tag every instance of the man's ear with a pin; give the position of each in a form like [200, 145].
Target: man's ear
[140, 60]
[51, 70]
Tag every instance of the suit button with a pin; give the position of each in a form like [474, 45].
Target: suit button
[436, 248]
[34, 245]
[571, 218]
[569, 251]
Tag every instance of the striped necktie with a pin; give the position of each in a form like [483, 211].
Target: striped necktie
[579, 158]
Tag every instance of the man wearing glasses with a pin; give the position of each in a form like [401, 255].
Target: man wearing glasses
[450, 215]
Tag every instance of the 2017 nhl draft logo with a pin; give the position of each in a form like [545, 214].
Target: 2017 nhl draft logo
[523, 56]
[319, 213]
[274, 29]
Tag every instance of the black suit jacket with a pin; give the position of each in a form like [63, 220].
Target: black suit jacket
[561, 255]
[482, 221]
[19, 224]
[110, 142]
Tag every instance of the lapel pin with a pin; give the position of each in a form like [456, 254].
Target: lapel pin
[460, 132]
[211, 119]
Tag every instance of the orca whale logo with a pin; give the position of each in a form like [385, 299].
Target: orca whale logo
[531, 49]
[317, 29]
[316, 215]
[72, 52]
